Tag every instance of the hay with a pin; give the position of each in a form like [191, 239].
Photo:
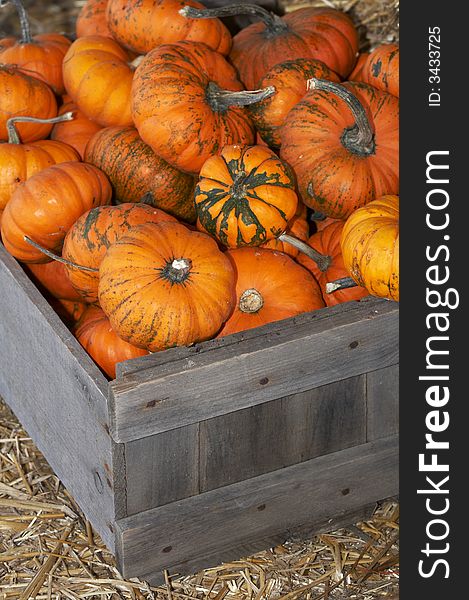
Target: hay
[49, 551]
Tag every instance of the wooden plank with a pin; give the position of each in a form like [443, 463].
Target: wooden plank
[276, 434]
[261, 336]
[326, 524]
[57, 393]
[300, 356]
[254, 511]
[383, 402]
[162, 468]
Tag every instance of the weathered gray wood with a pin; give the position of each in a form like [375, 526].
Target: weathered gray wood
[58, 394]
[259, 335]
[382, 389]
[290, 430]
[344, 519]
[300, 356]
[250, 513]
[162, 468]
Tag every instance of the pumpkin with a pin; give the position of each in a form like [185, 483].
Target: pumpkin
[343, 144]
[381, 69]
[91, 235]
[325, 34]
[106, 348]
[187, 104]
[270, 286]
[52, 277]
[289, 79]
[135, 171]
[141, 25]
[324, 222]
[370, 247]
[69, 311]
[297, 227]
[327, 242]
[356, 74]
[75, 132]
[40, 56]
[91, 19]
[98, 77]
[162, 285]
[18, 162]
[245, 196]
[46, 206]
[22, 95]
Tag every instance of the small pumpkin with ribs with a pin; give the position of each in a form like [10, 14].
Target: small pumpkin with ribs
[135, 171]
[381, 69]
[45, 207]
[270, 286]
[106, 348]
[289, 79]
[40, 56]
[91, 235]
[370, 247]
[162, 285]
[92, 20]
[76, 132]
[19, 162]
[245, 196]
[187, 103]
[342, 140]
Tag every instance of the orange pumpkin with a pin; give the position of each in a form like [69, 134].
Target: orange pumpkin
[183, 105]
[22, 95]
[98, 77]
[163, 285]
[297, 227]
[46, 206]
[245, 196]
[370, 247]
[356, 74]
[323, 33]
[91, 235]
[52, 277]
[18, 162]
[40, 56]
[381, 69]
[91, 19]
[69, 311]
[135, 171]
[142, 25]
[106, 348]
[327, 242]
[343, 144]
[76, 132]
[289, 79]
[270, 286]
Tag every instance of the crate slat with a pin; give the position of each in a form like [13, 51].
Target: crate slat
[254, 514]
[359, 338]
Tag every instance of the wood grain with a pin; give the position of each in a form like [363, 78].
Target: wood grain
[57, 393]
[255, 512]
[382, 390]
[300, 355]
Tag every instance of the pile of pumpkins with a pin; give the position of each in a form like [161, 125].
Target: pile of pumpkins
[165, 182]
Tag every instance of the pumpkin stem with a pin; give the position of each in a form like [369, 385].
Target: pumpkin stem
[13, 136]
[360, 138]
[221, 100]
[323, 262]
[26, 37]
[58, 258]
[273, 23]
[177, 270]
[340, 284]
[251, 301]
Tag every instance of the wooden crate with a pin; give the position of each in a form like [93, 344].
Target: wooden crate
[197, 455]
